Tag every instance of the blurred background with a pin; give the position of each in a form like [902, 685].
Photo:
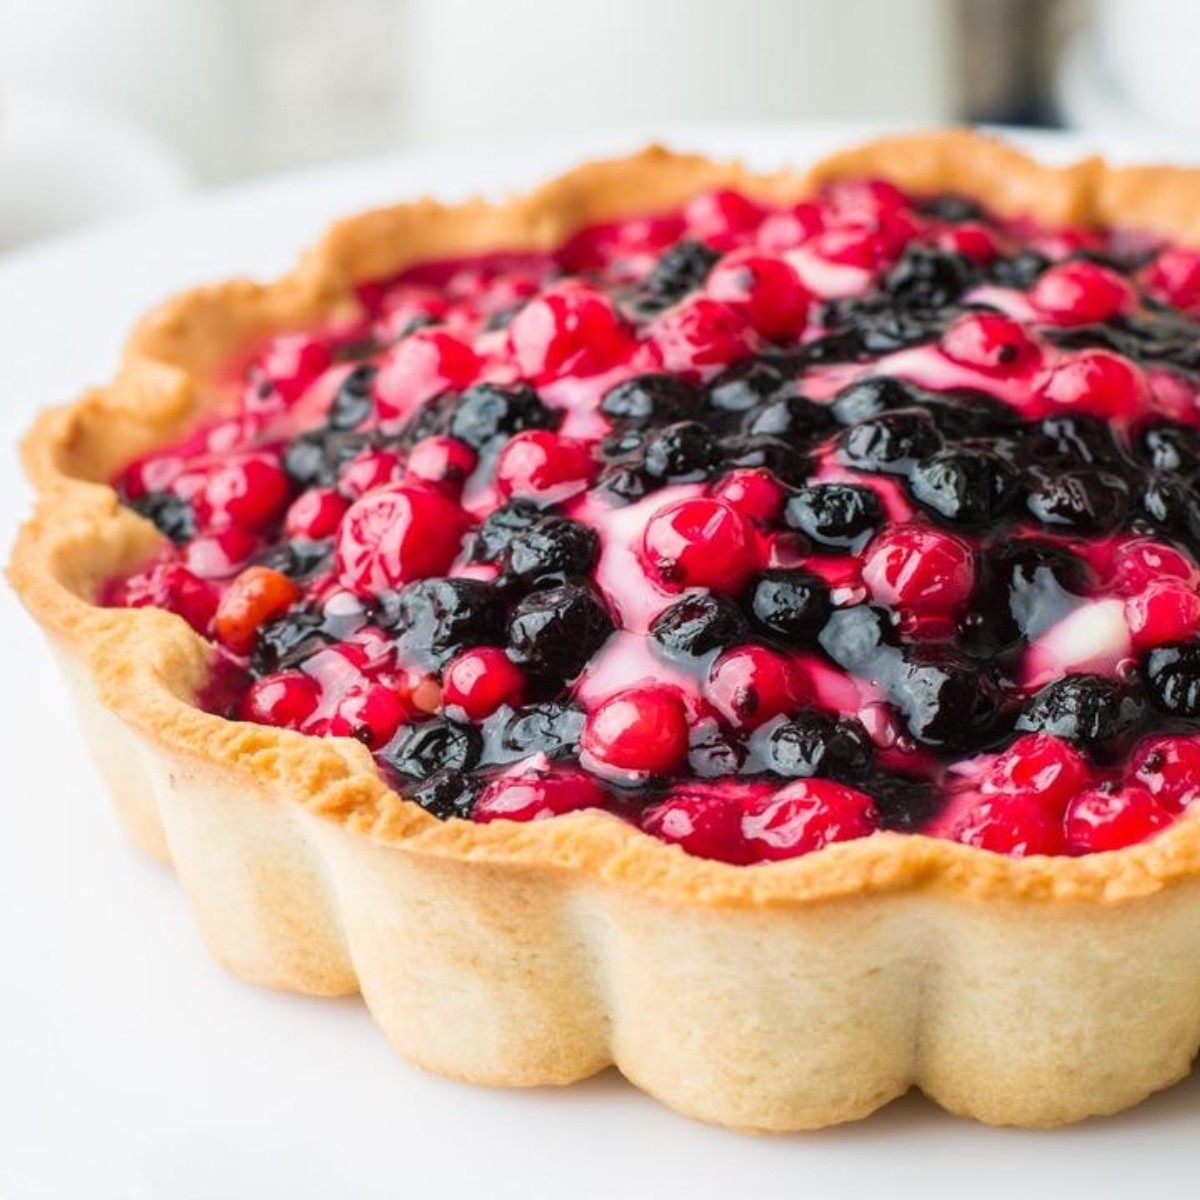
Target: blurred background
[111, 106]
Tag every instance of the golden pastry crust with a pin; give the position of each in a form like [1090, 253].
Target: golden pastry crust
[781, 996]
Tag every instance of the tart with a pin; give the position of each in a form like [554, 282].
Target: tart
[743, 629]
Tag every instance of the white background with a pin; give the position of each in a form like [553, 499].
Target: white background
[131, 1066]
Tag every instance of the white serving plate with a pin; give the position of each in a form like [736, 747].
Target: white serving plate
[132, 1066]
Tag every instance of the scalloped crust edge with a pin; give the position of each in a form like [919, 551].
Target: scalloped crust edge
[782, 997]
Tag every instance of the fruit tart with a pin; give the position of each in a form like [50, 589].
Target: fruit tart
[744, 629]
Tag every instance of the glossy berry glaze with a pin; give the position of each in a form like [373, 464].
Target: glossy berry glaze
[762, 528]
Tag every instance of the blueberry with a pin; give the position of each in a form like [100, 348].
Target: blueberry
[966, 413]
[1038, 582]
[944, 700]
[1073, 441]
[652, 400]
[712, 754]
[681, 452]
[552, 728]
[905, 803]
[488, 411]
[858, 636]
[286, 642]
[432, 619]
[1020, 271]
[796, 419]
[869, 397]
[927, 280]
[790, 603]
[624, 483]
[698, 624]
[1088, 501]
[554, 632]
[353, 402]
[172, 517]
[552, 550]
[749, 384]
[682, 269]
[1172, 675]
[445, 794]
[815, 743]
[314, 459]
[782, 459]
[500, 526]
[891, 443]
[419, 750]
[1167, 446]
[1082, 708]
[299, 559]
[952, 209]
[838, 515]
[966, 486]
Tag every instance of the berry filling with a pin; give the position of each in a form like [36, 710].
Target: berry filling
[760, 527]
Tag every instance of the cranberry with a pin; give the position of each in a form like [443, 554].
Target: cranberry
[1168, 610]
[1081, 293]
[764, 289]
[535, 795]
[1174, 276]
[543, 467]
[1101, 820]
[921, 570]
[1168, 768]
[701, 333]
[707, 824]
[256, 596]
[864, 201]
[850, 246]
[367, 471]
[754, 492]
[990, 343]
[442, 461]
[292, 361]
[791, 228]
[700, 543]
[723, 217]
[570, 329]
[1041, 768]
[395, 535]
[371, 714]
[419, 367]
[173, 587]
[971, 240]
[218, 555]
[315, 514]
[1016, 825]
[749, 685]
[1095, 381]
[805, 816]
[1140, 562]
[286, 700]
[404, 305]
[479, 681]
[154, 473]
[642, 730]
[248, 489]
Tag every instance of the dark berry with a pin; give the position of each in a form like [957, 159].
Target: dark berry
[776, 455]
[1073, 441]
[652, 400]
[791, 604]
[552, 728]
[857, 636]
[944, 699]
[1170, 447]
[815, 743]
[1020, 270]
[966, 486]
[927, 280]
[172, 516]
[433, 619]
[682, 269]
[952, 209]
[445, 794]
[500, 526]
[1083, 708]
[751, 383]
[300, 558]
[795, 419]
[869, 397]
[1038, 582]
[555, 631]
[488, 411]
[681, 452]
[314, 459]
[838, 515]
[552, 550]
[1172, 675]
[354, 401]
[1086, 501]
[420, 750]
[905, 803]
[698, 624]
[965, 413]
[891, 443]
[625, 483]
[288, 640]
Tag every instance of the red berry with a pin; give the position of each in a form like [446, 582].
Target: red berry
[534, 795]
[419, 367]
[1041, 768]
[367, 471]
[642, 730]
[1169, 769]
[754, 492]
[791, 228]
[1016, 825]
[395, 535]
[749, 685]
[173, 587]
[286, 700]
[851, 246]
[479, 681]
[1140, 562]
[700, 543]
[765, 289]
[991, 343]
[723, 217]
[255, 597]
[248, 489]
[570, 329]
[315, 514]
[864, 201]
[920, 569]
[699, 333]
[219, 555]
[1168, 610]
[543, 467]
[442, 461]
[971, 240]
[154, 473]
[706, 823]
[1080, 293]
[371, 714]
[804, 816]
[1174, 276]
[292, 361]
[1095, 381]
[1102, 820]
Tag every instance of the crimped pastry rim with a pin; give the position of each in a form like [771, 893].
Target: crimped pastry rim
[147, 665]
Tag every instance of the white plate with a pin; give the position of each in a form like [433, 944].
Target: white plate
[130, 1065]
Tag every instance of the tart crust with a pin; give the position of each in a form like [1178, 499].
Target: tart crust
[792, 995]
